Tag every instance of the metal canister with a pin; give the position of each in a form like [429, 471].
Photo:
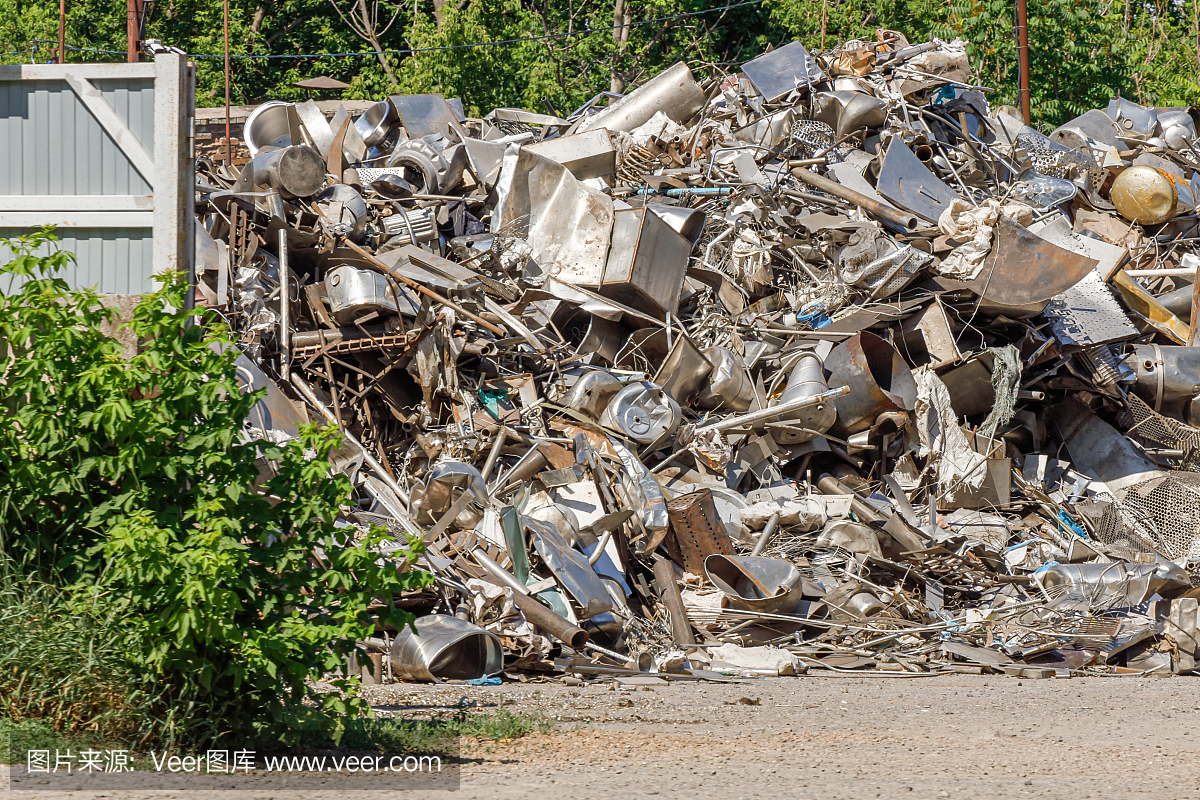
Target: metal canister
[643, 411]
[807, 380]
[1146, 195]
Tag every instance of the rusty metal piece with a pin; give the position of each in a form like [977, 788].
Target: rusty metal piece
[696, 530]
[668, 591]
[878, 378]
[1024, 271]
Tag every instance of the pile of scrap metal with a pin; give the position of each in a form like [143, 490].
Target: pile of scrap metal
[826, 364]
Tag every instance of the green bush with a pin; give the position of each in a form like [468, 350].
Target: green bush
[133, 483]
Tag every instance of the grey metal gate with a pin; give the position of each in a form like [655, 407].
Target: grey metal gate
[103, 152]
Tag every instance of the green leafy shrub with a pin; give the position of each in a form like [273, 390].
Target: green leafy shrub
[133, 481]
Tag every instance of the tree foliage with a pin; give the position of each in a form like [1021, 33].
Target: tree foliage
[1082, 52]
[133, 481]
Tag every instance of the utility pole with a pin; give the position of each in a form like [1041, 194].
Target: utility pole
[62, 31]
[133, 30]
[1023, 58]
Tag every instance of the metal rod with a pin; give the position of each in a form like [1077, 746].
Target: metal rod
[765, 537]
[875, 207]
[1194, 322]
[599, 551]
[228, 146]
[285, 311]
[62, 31]
[774, 411]
[1023, 57]
[494, 453]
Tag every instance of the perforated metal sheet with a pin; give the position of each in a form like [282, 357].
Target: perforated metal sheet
[1088, 314]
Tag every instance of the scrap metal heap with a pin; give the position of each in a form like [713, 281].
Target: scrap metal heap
[824, 364]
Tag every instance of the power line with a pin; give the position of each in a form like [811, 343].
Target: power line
[373, 53]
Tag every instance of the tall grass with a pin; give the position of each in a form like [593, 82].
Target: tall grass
[63, 669]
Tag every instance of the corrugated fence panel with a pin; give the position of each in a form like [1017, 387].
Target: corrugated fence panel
[110, 260]
[51, 144]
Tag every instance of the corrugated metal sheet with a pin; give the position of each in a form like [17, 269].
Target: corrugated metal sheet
[50, 144]
[111, 260]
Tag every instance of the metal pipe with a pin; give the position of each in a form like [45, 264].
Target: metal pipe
[861, 200]
[1194, 319]
[131, 31]
[765, 537]
[228, 146]
[494, 452]
[613, 654]
[1171, 272]
[599, 551]
[668, 592]
[774, 412]
[557, 626]
[832, 486]
[1023, 57]
[285, 311]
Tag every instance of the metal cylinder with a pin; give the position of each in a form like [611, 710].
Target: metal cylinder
[807, 380]
[537, 614]
[445, 648]
[559, 627]
[673, 91]
[297, 171]
[668, 591]
[878, 378]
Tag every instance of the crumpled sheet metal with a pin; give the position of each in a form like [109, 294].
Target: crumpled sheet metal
[445, 648]
[1025, 271]
[570, 224]
[558, 349]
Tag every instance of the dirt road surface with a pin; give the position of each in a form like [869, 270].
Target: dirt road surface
[961, 737]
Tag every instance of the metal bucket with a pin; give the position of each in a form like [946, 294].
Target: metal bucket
[754, 583]
[445, 649]
[878, 378]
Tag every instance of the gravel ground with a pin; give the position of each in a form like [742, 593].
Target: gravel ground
[961, 736]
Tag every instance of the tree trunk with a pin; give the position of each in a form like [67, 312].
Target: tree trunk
[369, 29]
[621, 22]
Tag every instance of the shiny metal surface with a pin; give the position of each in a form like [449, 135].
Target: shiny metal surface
[445, 648]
